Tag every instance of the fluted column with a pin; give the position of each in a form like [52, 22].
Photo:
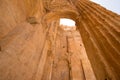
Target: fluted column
[100, 30]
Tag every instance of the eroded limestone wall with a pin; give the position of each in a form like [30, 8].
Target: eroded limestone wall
[29, 43]
[14, 12]
[23, 52]
[24, 39]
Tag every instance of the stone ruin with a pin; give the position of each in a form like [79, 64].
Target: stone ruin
[33, 46]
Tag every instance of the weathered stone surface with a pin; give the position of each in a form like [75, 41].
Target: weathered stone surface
[33, 46]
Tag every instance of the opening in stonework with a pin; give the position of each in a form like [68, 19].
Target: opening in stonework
[67, 24]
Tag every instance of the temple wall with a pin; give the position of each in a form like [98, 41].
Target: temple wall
[14, 12]
[34, 47]
[24, 40]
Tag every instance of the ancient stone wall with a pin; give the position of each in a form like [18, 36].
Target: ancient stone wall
[24, 39]
[14, 12]
[34, 47]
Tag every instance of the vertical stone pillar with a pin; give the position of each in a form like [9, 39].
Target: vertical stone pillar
[100, 31]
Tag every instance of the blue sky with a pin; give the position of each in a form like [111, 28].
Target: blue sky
[113, 5]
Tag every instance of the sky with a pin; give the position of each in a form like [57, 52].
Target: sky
[113, 5]
[68, 22]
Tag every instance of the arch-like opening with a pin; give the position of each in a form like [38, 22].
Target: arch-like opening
[67, 24]
[60, 15]
[64, 14]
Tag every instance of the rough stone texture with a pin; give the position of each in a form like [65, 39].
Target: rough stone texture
[34, 47]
